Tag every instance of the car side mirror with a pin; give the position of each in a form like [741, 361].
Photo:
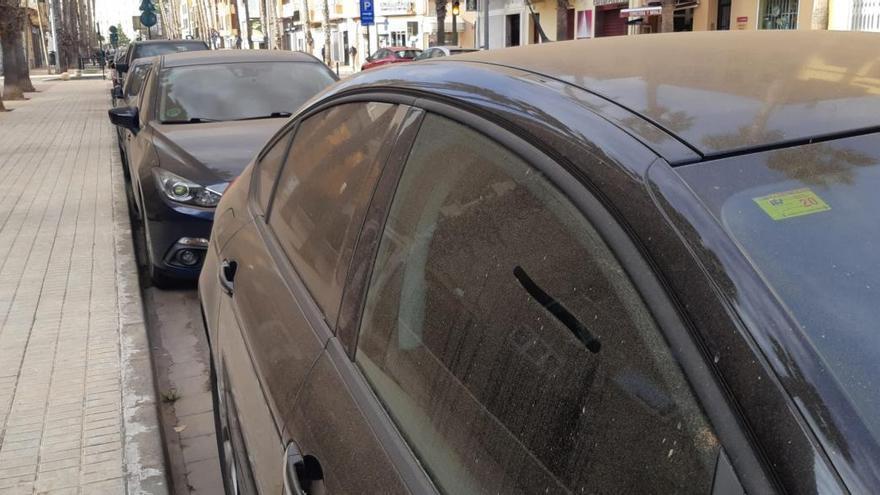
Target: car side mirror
[117, 92]
[121, 67]
[126, 117]
[111, 64]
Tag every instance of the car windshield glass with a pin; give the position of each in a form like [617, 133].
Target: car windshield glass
[153, 50]
[806, 218]
[233, 91]
[407, 53]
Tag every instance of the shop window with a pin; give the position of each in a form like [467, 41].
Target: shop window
[779, 14]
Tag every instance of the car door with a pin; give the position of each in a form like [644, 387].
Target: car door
[289, 267]
[496, 344]
[130, 96]
[138, 147]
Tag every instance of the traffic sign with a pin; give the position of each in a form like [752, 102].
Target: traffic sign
[148, 19]
[367, 12]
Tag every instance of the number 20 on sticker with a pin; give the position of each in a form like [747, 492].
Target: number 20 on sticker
[789, 204]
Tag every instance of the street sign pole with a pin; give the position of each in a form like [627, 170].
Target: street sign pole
[367, 19]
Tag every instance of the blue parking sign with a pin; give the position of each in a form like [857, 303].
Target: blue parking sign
[366, 12]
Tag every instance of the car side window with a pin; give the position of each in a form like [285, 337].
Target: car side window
[323, 191]
[268, 168]
[144, 98]
[507, 342]
[136, 79]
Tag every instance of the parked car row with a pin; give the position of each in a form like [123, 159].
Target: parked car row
[189, 123]
[398, 54]
[604, 266]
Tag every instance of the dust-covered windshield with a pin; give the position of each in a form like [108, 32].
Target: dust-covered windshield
[233, 91]
[809, 220]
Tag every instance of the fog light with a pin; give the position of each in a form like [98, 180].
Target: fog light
[188, 257]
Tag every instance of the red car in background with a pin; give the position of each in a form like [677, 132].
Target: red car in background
[390, 55]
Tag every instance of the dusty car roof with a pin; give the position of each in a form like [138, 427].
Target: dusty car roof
[722, 92]
[231, 56]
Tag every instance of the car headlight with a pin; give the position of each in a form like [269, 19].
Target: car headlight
[185, 191]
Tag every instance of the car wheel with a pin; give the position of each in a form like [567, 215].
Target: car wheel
[158, 276]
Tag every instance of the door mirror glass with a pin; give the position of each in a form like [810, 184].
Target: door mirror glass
[117, 92]
[121, 67]
[126, 117]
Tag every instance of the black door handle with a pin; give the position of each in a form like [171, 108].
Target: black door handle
[302, 474]
[293, 471]
[227, 275]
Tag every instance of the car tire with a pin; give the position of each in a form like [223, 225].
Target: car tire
[158, 277]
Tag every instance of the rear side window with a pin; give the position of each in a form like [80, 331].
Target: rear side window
[509, 345]
[323, 191]
[267, 170]
[136, 79]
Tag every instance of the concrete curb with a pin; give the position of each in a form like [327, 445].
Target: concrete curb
[143, 451]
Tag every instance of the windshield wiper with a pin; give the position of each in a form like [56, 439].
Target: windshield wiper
[273, 115]
[191, 120]
[559, 311]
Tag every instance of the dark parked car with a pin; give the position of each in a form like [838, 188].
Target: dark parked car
[443, 51]
[609, 266]
[199, 119]
[390, 55]
[127, 96]
[154, 48]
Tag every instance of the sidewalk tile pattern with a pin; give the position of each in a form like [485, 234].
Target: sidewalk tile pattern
[61, 393]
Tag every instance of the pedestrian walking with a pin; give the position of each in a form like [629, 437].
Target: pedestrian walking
[353, 52]
[238, 41]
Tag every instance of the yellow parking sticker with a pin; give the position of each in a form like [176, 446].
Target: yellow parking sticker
[790, 204]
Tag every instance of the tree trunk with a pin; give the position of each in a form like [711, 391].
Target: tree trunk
[24, 71]
[327, 57]
[441, 22]
[561, 20]
[667, 16]
[12, 49]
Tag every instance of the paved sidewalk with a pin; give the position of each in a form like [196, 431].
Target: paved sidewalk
[77, 402]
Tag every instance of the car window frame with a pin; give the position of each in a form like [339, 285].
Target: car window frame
[148, 66]
[752, 470]
[324, 329]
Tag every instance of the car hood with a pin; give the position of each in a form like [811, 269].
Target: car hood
[212, 152]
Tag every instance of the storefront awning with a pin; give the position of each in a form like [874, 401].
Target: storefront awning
[640, 11]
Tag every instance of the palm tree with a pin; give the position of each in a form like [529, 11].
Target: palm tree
[326, 32]
[667, 16]
[441, 22]
[561, 20]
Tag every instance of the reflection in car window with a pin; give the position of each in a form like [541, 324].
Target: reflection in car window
[323, 190]
[495, 388]
[136, 79]
[806, 217]
[268, 168]
[232, 91]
